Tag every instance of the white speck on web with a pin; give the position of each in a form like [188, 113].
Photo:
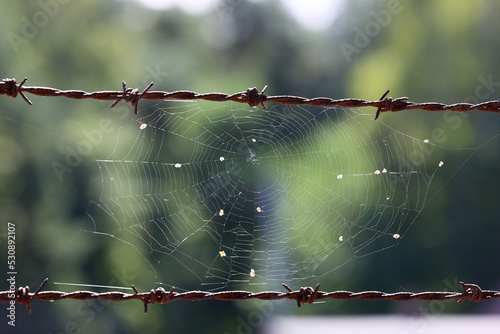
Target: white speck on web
[177, 165]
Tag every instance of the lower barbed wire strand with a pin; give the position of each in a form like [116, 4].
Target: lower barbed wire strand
[471, 292]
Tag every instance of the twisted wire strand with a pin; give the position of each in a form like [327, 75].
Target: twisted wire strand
[305, 295]
[251, 96]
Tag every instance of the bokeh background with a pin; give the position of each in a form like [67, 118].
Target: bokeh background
[429, 51]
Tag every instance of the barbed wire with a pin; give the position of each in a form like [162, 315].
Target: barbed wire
[251, 96]
[305, 295]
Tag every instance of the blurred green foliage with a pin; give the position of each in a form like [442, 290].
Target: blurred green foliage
[443, 51]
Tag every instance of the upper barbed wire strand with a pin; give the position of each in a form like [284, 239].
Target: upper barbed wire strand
[251, 97]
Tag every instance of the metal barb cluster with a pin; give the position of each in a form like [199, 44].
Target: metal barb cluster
[251, 96]
[305, 295]
[12, 88]
[131, 95]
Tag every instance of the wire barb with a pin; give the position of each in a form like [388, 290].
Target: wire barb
[472, 292]
[159, 295]
[11, 88]
[388, 105]
[23, 295]
[305, 295]
[131, 95]
[255, 98]
[251, 96]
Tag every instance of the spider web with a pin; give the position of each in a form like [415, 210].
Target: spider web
[225, 195]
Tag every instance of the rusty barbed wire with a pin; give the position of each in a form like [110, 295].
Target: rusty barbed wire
[305, 295]
[251, 96]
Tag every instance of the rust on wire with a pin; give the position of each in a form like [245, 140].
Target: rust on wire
[471, 292]
[131, 95]
[251, 96]
[11, 88]
[306, 295]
